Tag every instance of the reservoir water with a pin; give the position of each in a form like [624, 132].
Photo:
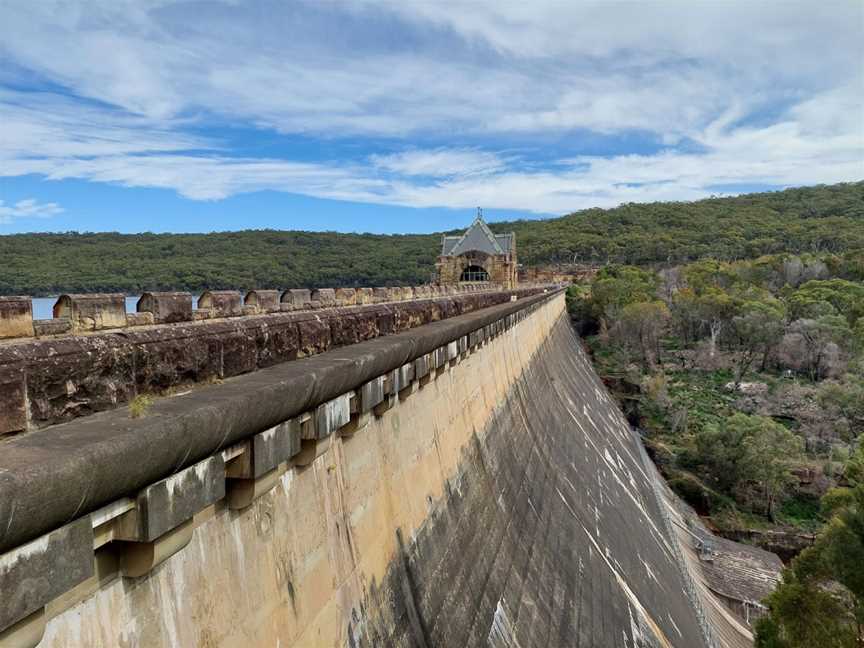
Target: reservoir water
[43, 307]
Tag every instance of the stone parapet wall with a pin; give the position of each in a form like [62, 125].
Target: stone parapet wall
[558, 273]
[16, 317]
[56, 379]
[111, 497]
[84, 313]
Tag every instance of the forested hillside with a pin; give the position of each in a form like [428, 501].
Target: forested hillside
[814, 219]
[809, 219]
[746, 380]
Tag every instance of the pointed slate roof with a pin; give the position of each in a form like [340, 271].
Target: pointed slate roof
[478, 238]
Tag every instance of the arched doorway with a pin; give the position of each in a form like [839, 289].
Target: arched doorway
[474, 273]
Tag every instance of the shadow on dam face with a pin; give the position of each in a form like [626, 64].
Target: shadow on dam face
[504, 502]
[549, 535]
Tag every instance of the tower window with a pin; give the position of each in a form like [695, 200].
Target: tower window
[474, 273]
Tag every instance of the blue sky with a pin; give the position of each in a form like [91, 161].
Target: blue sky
[389, 116]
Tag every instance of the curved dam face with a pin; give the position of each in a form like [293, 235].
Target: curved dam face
[500, 500]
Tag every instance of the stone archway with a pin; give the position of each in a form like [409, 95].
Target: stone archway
[474, 273]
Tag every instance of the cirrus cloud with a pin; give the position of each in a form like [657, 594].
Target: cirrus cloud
[435, 104]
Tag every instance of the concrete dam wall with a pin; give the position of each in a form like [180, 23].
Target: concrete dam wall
[465, 483]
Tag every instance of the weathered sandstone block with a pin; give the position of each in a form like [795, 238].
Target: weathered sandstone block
[51, 327]
[298, 298]
[332, 415]
[365, 295]
[415, 313]
[221, 303]
[352, 325]
[139, 319]
[166, 307]
[266, 301]
[314, 334]
[371, 393]
[172, 501]
[16, 317]
[35, 573]
[92, 312]
[268, 449]
[346, 296]
[325, 296]
[13, 399]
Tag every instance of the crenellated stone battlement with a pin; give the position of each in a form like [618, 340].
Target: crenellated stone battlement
[167, 344]
[84, 313]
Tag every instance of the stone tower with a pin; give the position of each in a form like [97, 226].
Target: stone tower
[478, 256]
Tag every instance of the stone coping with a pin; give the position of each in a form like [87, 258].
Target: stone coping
[53, 475]
[56, 379]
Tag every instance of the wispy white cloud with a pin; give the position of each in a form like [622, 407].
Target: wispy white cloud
[27, 208]
[738, 93]
[440, 163]
[213, 177]
[479, 66]
[43, 126]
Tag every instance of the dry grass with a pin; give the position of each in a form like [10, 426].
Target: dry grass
[139, 405]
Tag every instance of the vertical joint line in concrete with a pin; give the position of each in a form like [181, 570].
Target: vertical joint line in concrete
[409, 590]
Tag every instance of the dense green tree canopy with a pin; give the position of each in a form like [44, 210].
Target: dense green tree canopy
[813, 219]
[616, 287]
[749, 450]
[820, 601]
[823, 219]
[846, 298]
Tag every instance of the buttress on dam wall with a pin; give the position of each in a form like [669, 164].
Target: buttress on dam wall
[486, 492]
